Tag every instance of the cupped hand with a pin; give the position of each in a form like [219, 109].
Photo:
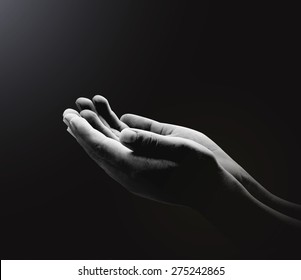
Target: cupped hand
[161, 167]
[100, 115]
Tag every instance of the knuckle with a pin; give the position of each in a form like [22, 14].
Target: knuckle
[99, 148]
[149, 141]
[99, 152]
[139, 141]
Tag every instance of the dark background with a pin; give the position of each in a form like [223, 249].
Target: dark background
[228, 70]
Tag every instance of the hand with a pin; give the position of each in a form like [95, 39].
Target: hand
[176, 165]
[100, 115]
[170, 169]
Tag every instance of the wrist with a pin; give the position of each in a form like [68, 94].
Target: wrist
[266, 197]
[241, 217]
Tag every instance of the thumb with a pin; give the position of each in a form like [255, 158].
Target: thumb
[158, 146]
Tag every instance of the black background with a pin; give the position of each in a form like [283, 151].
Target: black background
[228, 70]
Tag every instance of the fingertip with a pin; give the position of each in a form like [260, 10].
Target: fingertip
[68, 117]
[70, 111]
[87, 114]
[140, 122]
[80, 99]
[84, 103]
[128, 135]
[125, 117]
[100, 99]
[78, 102]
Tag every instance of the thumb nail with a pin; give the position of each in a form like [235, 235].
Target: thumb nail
[128, 135]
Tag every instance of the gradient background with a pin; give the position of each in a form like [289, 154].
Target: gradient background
[227, 70]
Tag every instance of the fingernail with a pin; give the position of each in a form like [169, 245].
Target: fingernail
[128, 135]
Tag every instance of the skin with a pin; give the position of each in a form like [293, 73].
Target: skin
[100, 115]
[151, 177]
[181, 166]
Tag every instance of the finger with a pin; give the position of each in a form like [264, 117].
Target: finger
[96, 123]
[103, 108]
[68, 116]
[99, 147]
[159, 146]
[84, 104]
[135, 121]
[70, 111]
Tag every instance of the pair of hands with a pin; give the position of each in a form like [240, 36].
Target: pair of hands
[155, 160]
[181, 166]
